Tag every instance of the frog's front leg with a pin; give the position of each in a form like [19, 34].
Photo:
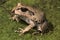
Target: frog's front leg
[30, 26]
[15, 17]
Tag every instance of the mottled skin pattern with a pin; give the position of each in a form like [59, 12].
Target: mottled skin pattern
[31, 16]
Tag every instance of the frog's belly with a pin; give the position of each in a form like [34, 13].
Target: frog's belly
[27, 20]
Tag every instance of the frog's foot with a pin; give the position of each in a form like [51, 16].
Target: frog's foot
[20, 31]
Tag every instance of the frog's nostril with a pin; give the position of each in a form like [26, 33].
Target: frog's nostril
[18, 8]
[13, 11]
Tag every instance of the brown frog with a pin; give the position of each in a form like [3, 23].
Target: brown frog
[32, 16]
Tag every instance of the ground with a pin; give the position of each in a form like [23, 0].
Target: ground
[7, 27]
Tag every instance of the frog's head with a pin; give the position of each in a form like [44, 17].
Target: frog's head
[19, 5]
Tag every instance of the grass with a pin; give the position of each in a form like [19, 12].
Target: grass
[7, 27]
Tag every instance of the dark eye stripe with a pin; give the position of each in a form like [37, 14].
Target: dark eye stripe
[31, 13]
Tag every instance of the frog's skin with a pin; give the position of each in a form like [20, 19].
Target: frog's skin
[31, 16]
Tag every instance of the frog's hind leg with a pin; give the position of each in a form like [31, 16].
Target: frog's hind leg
[42, 27]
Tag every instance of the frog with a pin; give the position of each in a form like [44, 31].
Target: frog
[32, 16]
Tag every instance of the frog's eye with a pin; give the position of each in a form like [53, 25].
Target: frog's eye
[24, 9]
